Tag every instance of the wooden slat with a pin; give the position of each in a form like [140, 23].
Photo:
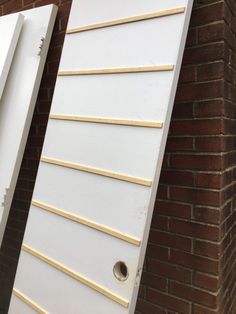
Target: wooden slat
[87, 222]
[97, 171]
[159, 68]
[29, 302]
[126, 20]
[76, 276]
[148, 124]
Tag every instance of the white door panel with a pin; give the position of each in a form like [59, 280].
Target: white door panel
[10, 29]
[92, 205]
[19, 99]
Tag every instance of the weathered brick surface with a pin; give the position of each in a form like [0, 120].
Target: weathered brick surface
[190, 264]
[198, 175]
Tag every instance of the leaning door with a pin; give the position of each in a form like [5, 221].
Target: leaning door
[91, 211]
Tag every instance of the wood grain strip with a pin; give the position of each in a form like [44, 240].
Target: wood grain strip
[88, 223]
[126, 20]
[97, 171]
[159, 68]
[89, 283]
[29, 302]
[148, 124]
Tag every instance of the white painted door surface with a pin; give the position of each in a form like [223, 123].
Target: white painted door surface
[91, 211]
[10, 28]
[19, 98]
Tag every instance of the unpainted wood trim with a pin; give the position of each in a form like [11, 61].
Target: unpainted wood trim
[159, 68]
[89, 283]
[87, 222]
[101, 172]
[126, 20]
[136, 123]
[38, 309]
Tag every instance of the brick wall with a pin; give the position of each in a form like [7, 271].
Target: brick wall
[190, 263]
[228, 212]
[191, 260]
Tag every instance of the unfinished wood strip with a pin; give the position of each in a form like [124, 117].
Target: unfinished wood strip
[148, 124]
[159, 68]
[97, 171]
[76, 276]
[88, 223]
[29, 302]
[126, 20]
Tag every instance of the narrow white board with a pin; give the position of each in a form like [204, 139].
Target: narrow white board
[10, 28]
[19, 98]
[92, 206]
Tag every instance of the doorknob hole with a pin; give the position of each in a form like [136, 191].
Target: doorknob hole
[120, 271]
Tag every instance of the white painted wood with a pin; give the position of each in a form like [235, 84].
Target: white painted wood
[19, 307]
[19, 98]
[92, 12]
[150, 50]
[90, 141]
[10, 28]
[134, 151]
[128, 202]
[112, 102]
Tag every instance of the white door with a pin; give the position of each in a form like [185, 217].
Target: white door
[19, 99]
[89, 222]
[10, 28]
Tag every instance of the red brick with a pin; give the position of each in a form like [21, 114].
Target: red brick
[207, 249]
[167, 239]
[173, 209]
[156, 251]
[197, 309]
[195, 196]
[179, 144]
[210, 144]
[207, 214]
[159, 222]
[200, 91]
[194, 262]
[193, 294]
[196, 127]
[145, 307]
[154, 281]
[168, 270]
[196, 162]
[183, 110]
[209, 108]
[177, 177]
[188, 74]
[208, 180]
[210, 71]
[192, 37]
[211, 33]
[202, 54]
[208, 14]
[162, 191]
[206, 282]
[194, 229]
[168, 301]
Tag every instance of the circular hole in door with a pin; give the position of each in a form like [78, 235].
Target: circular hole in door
[120, 271]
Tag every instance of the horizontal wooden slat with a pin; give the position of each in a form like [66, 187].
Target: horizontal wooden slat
[148, 124]
[159, 68]
[87, 222]
[126, 20]
[76, 276]
[97, 171]
[29, 302]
